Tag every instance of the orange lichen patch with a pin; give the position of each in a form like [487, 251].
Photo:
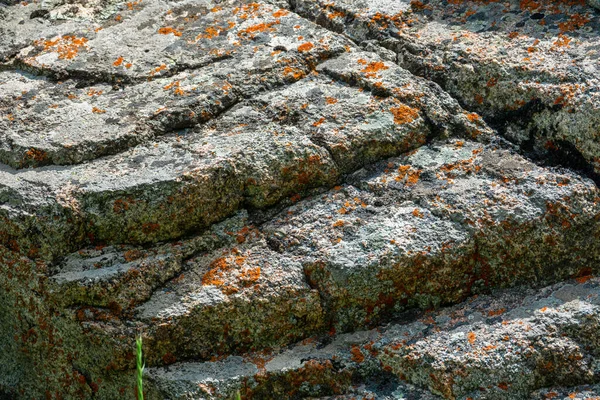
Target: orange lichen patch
[417, 213]
[495, 313]
[513, 34]
[529, 5]
[543, 309]
[254, 29]
[118, 62]
[229, 273]
[214, 31]
[118, 18]
[296, 73]
[67, 46]
[473, 117]
[331, 100]
[37, 155]
[562, 41]
[492, 82]
[372, 68]
[150, 227]
[93, 92]
[575, 22]
[128, 65]
[405, 171]
[215, 275]
[338, 223]
[305, 47]
[584, 279]
[280, 13]
[336, 14]
[479, 99]
[471, 337]
[503, 385]
[132, 255]
[132, 5]
[357, 354]
[156, 70]
[404, 114]
[319, 122]
[168, 30]
[250, 276]
[176, 88]
[97, 110]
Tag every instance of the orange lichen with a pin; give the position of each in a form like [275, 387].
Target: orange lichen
[372, 68]
[473, 117]
[583, 279]
[404, 114]
[338, 223]
[305, 47]
[37, 155]
[495, 313]
[336, 14]
[168, 30]
[296, 73]
[562, 41]
[417, 213]
[357, 354]
[280, 13]
[575, 22]
[262, 27]
[471, 337]
[156, 70]
[97, 110]
[67, 46]
[492, 82]
[331, 100]
[319, 122]
[118, 62]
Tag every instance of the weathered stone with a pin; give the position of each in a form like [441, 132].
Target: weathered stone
[438, 225]
[228, 178]
[454, 352]
[530, 68]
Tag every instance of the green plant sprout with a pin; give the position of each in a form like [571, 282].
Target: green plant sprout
[140, 368]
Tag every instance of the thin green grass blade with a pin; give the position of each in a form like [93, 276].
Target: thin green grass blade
[140, 368]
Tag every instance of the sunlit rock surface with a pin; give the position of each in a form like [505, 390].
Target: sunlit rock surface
[300, 199]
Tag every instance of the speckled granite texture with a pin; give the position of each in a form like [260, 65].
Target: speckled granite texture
[345, 199]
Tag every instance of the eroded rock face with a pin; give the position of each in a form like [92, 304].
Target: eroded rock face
[530, 68]
[252, 186]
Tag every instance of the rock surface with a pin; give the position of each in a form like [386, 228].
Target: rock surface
[300, 199]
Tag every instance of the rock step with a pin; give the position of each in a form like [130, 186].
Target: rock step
[253, 154]
[501, 346]
[447, 221]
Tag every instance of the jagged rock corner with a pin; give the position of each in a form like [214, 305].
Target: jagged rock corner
[300, 199]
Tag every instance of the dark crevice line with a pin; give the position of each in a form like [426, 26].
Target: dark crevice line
[87, 79]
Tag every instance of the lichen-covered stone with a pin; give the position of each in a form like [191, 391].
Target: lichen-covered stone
[502, 346]
[228, 178]
[528, 67]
